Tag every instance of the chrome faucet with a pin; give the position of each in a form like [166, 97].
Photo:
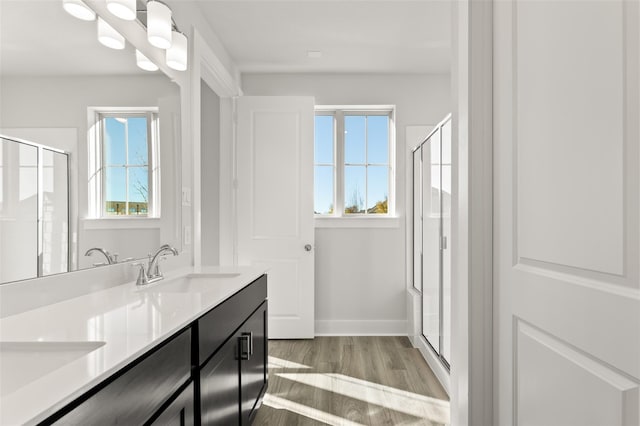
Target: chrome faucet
[152, 273]
[111, 258]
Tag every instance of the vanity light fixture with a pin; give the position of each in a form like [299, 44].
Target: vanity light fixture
[159, 24]
[162, 31]
[123, 9]
[177, 53]
[79, 9]
[144, 62]
[108, 36]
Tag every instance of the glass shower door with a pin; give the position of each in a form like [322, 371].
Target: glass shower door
[433, 217]
[431, 224]
[417, 219]
[55, 213]
[18, 211]
[445, 350]
[34, 211]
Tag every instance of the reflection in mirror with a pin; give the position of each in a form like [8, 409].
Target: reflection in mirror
[90, 152]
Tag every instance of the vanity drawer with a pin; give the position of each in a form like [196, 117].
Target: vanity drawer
[135, 393]
[215, 327]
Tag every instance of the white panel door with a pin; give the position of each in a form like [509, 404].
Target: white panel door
[275, 205]
[566, 185]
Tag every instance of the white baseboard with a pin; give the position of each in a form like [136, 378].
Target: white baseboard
[361, 328]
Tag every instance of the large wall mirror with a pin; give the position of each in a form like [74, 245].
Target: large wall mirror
[90, 156]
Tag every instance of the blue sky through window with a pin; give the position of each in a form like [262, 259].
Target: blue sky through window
[126, 145]
[366, 156]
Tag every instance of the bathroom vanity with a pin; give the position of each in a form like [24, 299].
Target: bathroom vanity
[188, 350]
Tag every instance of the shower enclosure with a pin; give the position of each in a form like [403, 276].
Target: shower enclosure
[34, 210]
[431, 238]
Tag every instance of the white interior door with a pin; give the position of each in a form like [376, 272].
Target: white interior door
[275, 205]
[566, 247]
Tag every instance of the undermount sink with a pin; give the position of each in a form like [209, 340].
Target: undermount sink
[192, 283]
[23, 362]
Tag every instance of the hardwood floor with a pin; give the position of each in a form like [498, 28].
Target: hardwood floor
[351, 381]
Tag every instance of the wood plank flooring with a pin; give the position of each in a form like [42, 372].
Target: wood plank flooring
[351, 381]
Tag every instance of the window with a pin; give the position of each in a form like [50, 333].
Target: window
[127, 149]
[353, 162]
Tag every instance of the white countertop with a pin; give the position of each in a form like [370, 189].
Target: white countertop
[129, 320]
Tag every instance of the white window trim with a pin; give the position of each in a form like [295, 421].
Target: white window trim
[131, 222]
[338, 219]
[96, 170]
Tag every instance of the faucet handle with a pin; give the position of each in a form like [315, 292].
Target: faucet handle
[142, 275]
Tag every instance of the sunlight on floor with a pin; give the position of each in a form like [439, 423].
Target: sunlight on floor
[394, 399]
[279, 363]
[306, 411]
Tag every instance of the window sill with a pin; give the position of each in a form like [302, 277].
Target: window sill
[122, 223]
[357, 222]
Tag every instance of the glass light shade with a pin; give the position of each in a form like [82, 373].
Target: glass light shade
[79, 9]
[108, 36]
[144, 62]
[177, 53]
[123, 9]
[159, 24]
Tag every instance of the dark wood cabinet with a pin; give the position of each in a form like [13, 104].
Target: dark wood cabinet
[135, 393]
[218, 325]
[213, 372]
[219, 387]
[253, 363]
[234, 378]
[180, 411]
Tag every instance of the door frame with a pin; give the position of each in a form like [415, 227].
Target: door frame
[208, 68]
[472, 369]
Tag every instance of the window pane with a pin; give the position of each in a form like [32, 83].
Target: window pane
[377, 189]
[324, 139]
[138, 190]
[114, 141]
[378, 139]
[137, 131]
[323, 183]
[115, 189]
[354, 139]
[354, 188]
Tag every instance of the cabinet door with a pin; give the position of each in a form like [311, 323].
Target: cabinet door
[219, 386]
[180, 412]
[253, 365]
[137, 392]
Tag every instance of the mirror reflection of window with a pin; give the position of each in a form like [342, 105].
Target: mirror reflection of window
[129, 147]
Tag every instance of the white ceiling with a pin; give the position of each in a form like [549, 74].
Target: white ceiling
[37, 37]
[378, 36]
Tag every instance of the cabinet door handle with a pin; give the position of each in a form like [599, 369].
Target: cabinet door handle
[250, 335]
[244, 346]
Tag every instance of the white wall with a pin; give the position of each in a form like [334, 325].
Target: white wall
[360, 272]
